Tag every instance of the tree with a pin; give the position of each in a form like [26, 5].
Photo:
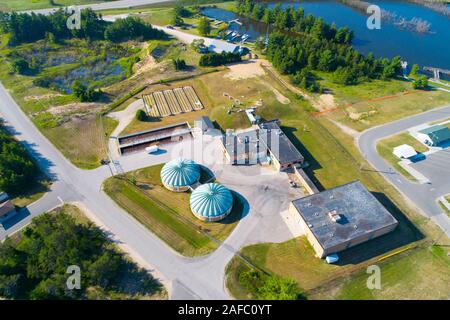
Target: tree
[84, 93]
[179, 64]
[17, 169]
[198, 45]
[414, 70]
[176, 20]
[421, 82]
[204, 26]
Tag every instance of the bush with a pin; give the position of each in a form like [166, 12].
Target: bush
[269, 287]
[141, 115]
[20, 66]
[420, 83]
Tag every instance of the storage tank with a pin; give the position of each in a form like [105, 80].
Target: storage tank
[211, 202]
[180, 174]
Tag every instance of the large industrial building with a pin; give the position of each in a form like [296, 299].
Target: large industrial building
[266, 143]
[180, 175]
[211, 202]
[342, 217]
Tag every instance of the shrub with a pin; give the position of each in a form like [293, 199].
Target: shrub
[141, 115]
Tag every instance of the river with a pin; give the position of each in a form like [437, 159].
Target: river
[431, 49]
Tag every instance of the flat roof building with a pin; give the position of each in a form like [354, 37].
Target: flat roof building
[219, 46]
[404, 151]
[283, 152]
[257, 145]
[244, 148]
[342, 217]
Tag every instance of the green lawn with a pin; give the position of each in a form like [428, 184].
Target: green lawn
[406, 275]
[20, 5]
[167, 213]
[364, 91]
[386, 146]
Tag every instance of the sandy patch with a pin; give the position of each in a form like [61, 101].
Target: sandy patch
[282, 99]
[79, 107]
[43, 97]
[325, 102]
[148, 63]
[245, 70]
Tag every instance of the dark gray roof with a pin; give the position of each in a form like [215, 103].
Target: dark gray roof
[279, 144]
[360, 213]
[244, 142]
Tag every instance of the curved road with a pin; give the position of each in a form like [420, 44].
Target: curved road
[73, 184]
[424, 196]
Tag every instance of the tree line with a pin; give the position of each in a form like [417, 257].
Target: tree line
[25, 27]
[217, 59]
[17, 169]
[313, 45]
[36, 267]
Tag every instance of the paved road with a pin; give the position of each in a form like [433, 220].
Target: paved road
[422, 195]
[72, 184]
[106, 5]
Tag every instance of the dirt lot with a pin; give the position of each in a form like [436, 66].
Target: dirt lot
[244, 70]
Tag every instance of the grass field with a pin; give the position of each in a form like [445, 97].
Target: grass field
[386, 146]
[334, 160]
[167, 213]
[366, 114]
[19, 5]
[376, 102]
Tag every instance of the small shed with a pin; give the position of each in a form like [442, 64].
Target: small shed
[404, 151]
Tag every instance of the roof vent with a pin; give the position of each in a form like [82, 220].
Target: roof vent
[355, 227]
[310, 225]
[336, 217]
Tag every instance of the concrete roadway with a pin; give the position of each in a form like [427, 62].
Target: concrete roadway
[423, 196]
